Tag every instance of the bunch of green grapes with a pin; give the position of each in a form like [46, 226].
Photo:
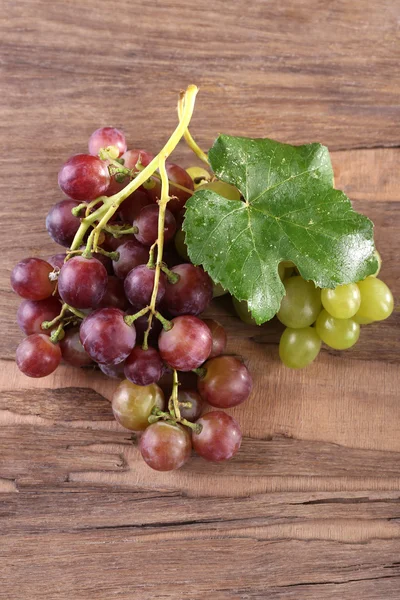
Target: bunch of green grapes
[333, 316]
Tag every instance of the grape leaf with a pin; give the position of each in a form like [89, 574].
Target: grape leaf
[291, 212]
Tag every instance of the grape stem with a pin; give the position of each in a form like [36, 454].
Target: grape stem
[174, 396]
[188, 136]
[61, 317]
[171, 276]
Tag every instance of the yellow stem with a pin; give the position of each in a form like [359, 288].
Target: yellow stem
[188, 136]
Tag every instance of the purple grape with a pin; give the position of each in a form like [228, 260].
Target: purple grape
[82, 282]
[115, 295]
[131, 206]
[218, 336]
[191, 294]
[141, 326]
[72, 350]
[193, 412]
[178, 175]
[106, 337]
[143, 367]
[227, 382]
[113, 371]
[139, 285]
[147, 223]
[131, 254]
[30, 279]
[61, 224]
[56, 260]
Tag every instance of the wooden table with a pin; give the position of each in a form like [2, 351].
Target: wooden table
[310, 507]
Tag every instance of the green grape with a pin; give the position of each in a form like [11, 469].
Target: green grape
[379, 259]
[198, 175]
[299, 347]
[361, 320]
[180, 245]
[243, 312]
[343, 302]
[228, 191]
[301, 305]
[376, 299]
[218, 290]
[339, 334]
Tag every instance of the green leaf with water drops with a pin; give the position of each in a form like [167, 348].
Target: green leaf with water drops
[290, 212]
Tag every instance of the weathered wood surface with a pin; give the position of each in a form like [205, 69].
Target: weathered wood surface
[310, 507]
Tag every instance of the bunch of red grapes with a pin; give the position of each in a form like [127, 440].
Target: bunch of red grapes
[84, 308]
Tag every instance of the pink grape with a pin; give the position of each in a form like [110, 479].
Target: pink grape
[37, 356]
[143, 367]
[72, 350]
[139, 285]
[115, 294]
[32, 313]
[131, 254]
[220, 437]
[191, 294]
[147, 224]
[61, 224]
[193, 412]
[187, 345]
[30, 279]
[227, 382]
[105, 137]
[82, 282]
[165, 447]
[219, 338]
[84, 177]
[106, 337]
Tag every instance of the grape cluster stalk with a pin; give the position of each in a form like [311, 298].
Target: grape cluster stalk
[120, 298]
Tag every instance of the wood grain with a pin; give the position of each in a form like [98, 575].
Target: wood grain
[310, 508]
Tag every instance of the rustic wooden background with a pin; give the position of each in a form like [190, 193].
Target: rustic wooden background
[310, 508]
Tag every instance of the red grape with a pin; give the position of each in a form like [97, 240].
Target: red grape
[30, 279]
[187, 345]
[227, 382]
[112, 243]
[220, 437]
[84, 177]
[218, 337]
[31, 314]
[132, 157]
[37, 356]
[105, 137]
[72, 350]
[106, 337]
[180, 176]
[82, 282]
[132, 404]
[56, 260]
[105, 260]
[194, 412]
[143, 367]
[139, 285]
[141, 325]
[131, 254]
[61, 224]
[131, 206]
[113, 371]
[165, 447]
[191, 294]
[147, 223]
[115, 295]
